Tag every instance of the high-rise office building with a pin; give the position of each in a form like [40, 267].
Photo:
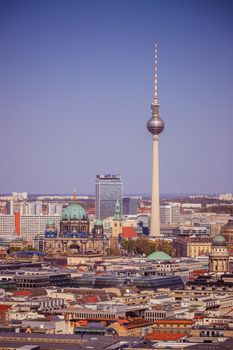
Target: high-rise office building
[155, 126]
[35, 208]
[55, 208]
[9, 207]
[130, 205]
[108, 189]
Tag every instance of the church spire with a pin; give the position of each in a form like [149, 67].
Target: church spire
[117, 213]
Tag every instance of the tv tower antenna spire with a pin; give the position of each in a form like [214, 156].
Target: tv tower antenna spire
[156, 101]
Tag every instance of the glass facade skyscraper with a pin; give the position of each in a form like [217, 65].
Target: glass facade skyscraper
[108, 189]
[130, 205]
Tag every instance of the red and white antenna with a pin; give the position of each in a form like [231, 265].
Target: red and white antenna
[156, 75]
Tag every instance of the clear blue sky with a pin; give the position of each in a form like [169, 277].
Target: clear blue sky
[76, 83]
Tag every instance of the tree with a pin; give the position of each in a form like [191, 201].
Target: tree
[30, 248]
[114, 251]
[166, 247]
[144, 246]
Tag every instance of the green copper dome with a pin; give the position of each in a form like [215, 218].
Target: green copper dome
[159, 256]
[219, 240]
[98, 222]
[50, 222]
[74, 211]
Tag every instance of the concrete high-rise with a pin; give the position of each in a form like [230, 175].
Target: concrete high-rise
[108, 189]
[155, 126]
[170, 214]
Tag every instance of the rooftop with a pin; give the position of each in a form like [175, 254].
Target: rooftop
[164, 336]
[128, 232]
[174, 321]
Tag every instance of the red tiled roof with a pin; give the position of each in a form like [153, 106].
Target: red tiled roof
[128, 232]
[5, 307]
[217, 324]
[144, 210]
[22, 293]
[138, 322]
[164, 336]
[174, 321]
[93, 299]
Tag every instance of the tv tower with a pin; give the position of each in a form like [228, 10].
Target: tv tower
[155, 126]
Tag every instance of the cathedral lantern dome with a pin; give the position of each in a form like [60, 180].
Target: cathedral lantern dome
[74, 211]
[219, 241]
[98, 222]
[74, 219]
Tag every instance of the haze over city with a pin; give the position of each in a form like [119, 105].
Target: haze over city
[77, 83]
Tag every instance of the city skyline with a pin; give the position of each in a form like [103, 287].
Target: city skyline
[76, 84]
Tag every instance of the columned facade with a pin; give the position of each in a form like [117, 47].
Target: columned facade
[219, 256]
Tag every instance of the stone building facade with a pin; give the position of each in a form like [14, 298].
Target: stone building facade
[74, 236]
[219, 257]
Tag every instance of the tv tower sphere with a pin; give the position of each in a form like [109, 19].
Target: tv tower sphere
[155, 126]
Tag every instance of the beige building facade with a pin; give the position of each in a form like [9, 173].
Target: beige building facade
[219, 257]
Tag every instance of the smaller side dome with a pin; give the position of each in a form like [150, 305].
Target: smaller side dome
[51, 222]
[219, 241]
[98, 222]
[229, 225]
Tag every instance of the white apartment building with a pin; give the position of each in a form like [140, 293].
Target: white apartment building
[30, 225]
[191, 205]
[55, 208]
[19, 196]
[170, 213]
[204, 218]
[193, 230]
[226, 197]
[7, 226]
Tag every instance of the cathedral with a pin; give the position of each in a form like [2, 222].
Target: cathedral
[75, 236]
[219, 256]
